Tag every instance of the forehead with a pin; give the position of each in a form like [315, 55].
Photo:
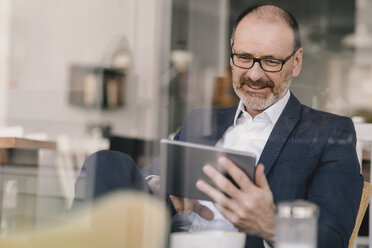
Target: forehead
[262, 38]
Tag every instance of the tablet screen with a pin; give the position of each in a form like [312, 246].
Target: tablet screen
[182, 164]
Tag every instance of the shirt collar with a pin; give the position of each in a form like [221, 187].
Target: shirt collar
[273, 112]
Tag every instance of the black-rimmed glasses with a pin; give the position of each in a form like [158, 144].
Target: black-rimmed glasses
[267, 64]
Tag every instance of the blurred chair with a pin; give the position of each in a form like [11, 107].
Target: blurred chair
[364, 148]
[72, 152]
[140, 150]
[122, 219]
[364, 139]
[366, 197]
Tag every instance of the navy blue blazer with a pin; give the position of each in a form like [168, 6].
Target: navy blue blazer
[309, 155]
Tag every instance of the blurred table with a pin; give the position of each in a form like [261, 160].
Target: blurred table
[22, 151]
[30, 192]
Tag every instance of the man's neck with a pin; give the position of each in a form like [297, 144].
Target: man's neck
[253, 112]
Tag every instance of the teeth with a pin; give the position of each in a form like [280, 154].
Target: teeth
[256, 88]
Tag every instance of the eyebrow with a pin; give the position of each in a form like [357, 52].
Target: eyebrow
[269, 57]
[250, 55]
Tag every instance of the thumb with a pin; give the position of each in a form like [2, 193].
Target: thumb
[260, 177]
[203, 211]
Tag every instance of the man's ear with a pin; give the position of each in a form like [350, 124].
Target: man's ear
[231, 44]
[297, 62]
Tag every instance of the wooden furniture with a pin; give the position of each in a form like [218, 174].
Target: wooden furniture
[364, 150]
[11, 142]
[22, 151]
[364, 202]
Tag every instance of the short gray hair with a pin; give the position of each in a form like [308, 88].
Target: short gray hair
[262, 11]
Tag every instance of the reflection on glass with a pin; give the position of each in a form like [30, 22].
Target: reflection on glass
[121, 75]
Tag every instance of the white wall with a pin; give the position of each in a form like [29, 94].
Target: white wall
[5, 15]
[47, 36]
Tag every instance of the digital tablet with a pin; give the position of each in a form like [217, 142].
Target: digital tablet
[182, 164]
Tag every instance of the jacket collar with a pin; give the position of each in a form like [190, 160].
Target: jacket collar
[273, 112]
[281, 131]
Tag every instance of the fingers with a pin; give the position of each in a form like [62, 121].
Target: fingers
[177, 204]
[239, 176]
[187, 206]
[213, 193]
[203, 211]
[261, 180]
[182, 205]
[221, 181]
[225, 212]
[154, 184]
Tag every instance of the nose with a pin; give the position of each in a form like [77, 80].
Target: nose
[255, 72]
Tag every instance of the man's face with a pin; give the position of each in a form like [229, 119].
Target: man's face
[257, 88]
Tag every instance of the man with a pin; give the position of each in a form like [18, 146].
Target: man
[302, 153]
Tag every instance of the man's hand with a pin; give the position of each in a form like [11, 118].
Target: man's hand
[187, 206]
[249, 207]
[154, 185]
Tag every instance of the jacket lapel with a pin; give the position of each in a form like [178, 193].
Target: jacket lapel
[217, 125]
[280, 133]
[226, 119]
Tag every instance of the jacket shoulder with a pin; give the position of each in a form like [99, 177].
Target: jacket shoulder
[319, 117]
[205, 122]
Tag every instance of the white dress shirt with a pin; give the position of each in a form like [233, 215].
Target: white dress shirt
[246, 134]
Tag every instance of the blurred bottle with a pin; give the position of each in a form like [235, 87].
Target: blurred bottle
[296, 224]
[9, 208]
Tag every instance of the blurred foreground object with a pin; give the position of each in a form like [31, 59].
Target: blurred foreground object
[215, 239]
[131, 220]
[296, 224]
[30, 192]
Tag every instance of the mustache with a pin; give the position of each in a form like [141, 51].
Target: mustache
[258, 83]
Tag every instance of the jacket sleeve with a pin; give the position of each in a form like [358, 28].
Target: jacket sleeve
[336, 186]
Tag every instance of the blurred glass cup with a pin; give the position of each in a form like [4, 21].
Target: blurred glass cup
[296, 224]
[207, 239]
[8, 223]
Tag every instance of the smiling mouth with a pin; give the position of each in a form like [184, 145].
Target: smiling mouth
[257, 87]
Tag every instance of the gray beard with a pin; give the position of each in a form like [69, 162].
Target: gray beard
[263, 104]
